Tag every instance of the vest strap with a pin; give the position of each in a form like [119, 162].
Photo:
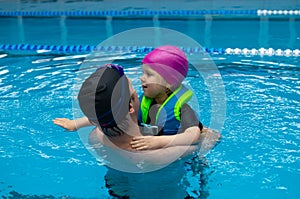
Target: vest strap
[145, 105]
[182, 100]
[167, 100]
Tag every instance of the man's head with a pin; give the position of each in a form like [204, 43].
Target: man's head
[105, 97]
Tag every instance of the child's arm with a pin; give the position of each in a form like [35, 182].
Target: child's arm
[207, 136]
[190, 135]
[72, 125]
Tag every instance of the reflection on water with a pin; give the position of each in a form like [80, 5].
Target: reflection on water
[178, 180]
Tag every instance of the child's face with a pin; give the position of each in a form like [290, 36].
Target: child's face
[154, 85]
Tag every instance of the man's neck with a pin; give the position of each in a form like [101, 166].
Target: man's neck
[123, 141]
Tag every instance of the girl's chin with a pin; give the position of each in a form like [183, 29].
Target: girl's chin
[147, 94]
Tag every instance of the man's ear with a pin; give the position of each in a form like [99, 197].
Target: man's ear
[131, 109]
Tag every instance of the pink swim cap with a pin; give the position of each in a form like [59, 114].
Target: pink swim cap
[170, 62]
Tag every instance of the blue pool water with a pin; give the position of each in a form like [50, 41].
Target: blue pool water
[258, 156]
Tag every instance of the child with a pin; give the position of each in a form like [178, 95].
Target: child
[164, 70]
[164, 101]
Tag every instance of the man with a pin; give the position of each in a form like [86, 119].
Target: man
[109, 102]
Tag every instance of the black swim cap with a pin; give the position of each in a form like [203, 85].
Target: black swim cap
[104, 96]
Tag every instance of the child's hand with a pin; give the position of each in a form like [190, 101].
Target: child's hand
[69, 125]
[145, 143]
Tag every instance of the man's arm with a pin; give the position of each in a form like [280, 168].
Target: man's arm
[137, 161]
[157, 158]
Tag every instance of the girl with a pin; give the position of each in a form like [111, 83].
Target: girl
[164, 103]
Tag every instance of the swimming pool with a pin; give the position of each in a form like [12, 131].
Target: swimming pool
[258, 156]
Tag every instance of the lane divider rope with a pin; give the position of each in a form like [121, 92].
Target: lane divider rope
[74, 49]
[150, 13]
